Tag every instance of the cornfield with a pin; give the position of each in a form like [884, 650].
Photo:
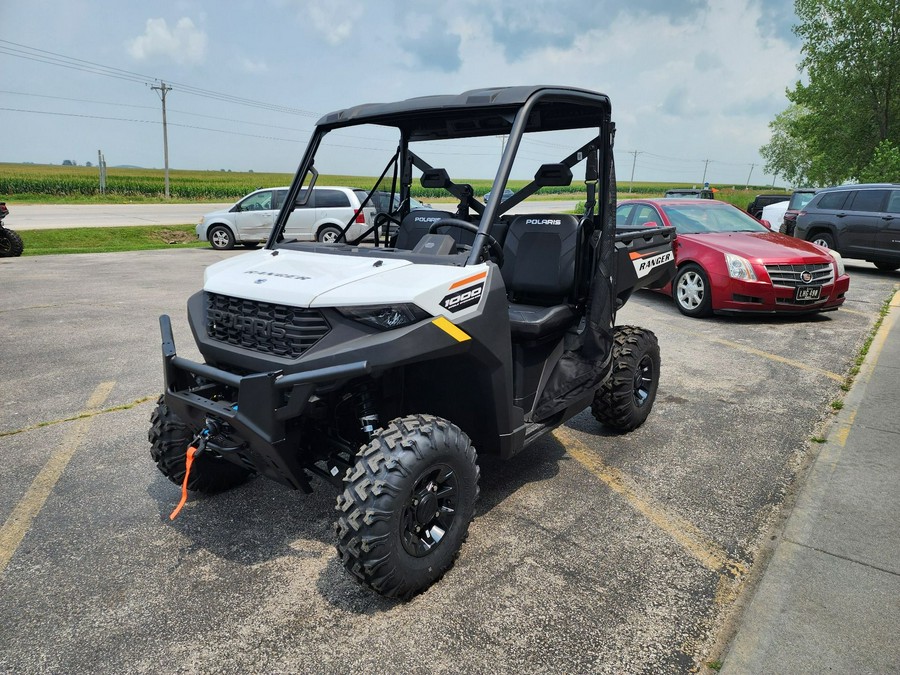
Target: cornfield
[45, 182]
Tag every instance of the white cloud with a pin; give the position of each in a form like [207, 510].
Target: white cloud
[249, 65]
[183, 44]
[334, 20]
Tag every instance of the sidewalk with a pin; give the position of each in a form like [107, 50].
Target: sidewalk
[829, 600]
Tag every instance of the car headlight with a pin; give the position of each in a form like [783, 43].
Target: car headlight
[838, 260]
[385, 317]
[739, 268]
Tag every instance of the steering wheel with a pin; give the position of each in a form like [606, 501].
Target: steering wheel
[493, 245]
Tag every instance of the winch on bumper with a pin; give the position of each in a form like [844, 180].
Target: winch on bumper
[257, 406]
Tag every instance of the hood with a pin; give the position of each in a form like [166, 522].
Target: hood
[765, 246]
[292, 278]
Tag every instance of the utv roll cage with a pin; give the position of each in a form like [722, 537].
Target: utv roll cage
[509, 111]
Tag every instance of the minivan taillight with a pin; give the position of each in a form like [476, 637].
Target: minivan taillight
[360, 217]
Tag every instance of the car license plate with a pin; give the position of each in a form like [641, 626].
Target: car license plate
[808, 293]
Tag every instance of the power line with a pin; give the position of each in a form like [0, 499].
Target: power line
[171, 124]
[52, 58]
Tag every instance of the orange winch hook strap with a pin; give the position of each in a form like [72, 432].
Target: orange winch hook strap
[191, 451]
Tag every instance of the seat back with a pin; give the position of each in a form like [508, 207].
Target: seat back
[541, 259]
[415, 226]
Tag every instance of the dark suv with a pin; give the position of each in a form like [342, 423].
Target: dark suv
[858, 221]
[799, 199]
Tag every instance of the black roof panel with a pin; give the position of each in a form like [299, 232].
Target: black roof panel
[479, 112]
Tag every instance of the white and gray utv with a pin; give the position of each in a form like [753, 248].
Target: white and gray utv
[383, 368]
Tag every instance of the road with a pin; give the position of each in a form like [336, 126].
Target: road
[56, 216]
[591, 551]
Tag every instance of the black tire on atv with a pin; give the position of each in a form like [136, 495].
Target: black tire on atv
[407, 505]
[626, 398]
[11, 245]
[169, 438]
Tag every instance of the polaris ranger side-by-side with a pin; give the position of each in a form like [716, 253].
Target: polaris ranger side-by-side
[382, 368]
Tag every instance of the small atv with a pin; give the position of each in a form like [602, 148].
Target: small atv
[11, 245]
[381, 368]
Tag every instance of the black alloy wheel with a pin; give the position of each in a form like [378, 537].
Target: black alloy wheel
[625, 399]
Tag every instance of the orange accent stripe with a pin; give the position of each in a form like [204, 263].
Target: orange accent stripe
[634, 255]
[469, 280]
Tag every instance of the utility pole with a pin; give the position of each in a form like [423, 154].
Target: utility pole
[706, 164]
[633, 162]
[747, 186]
[162, 89]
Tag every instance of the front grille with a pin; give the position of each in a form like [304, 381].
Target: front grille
[263, 327]
[789, 275]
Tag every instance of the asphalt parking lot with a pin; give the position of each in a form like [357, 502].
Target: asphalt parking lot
[591, 552]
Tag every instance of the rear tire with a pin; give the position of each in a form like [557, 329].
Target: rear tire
[626, 398]
[220, 238]
[887, 267]
[11, 245]
[328, 234]
[169, 439]
[407, 505]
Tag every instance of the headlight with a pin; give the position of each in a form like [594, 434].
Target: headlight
[385, 317]
[838, 260]
[739, 268]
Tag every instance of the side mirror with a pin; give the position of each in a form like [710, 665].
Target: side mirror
[767, 224]
[435, 178]
[553, 175]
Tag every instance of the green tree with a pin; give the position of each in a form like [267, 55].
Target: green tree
[786, 154]
[885, 165]
[851, 100]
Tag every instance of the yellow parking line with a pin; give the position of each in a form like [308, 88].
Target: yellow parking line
[761, 353]
[91, 413]
[688, 536]
[23, 515]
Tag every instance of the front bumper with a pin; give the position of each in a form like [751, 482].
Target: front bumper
[257, 406]
[762, 297]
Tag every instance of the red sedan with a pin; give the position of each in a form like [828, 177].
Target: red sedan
[729, 262]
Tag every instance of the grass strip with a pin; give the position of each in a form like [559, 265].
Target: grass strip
[109, 239]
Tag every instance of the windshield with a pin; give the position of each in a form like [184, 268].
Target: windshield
[701, 218]
[800, 200]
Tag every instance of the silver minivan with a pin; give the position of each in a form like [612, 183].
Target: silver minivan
[320, 218]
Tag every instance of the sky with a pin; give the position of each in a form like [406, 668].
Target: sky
[693, 83]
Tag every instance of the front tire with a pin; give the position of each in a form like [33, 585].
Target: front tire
[11, 245]
[169, 440]
[407, 505]
[220, 238]
[887, 267]
[691, 291]
[626, 397]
